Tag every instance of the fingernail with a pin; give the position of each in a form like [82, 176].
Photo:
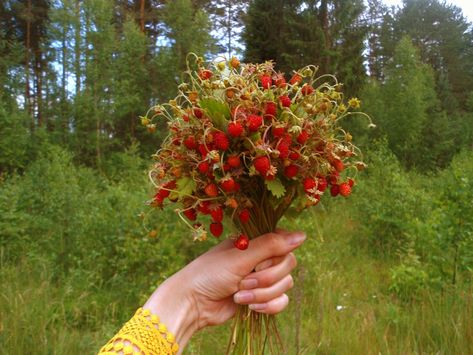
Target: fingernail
[297, 238]
[243, 297]
[248, 284]
[264, 265]
[258, 306]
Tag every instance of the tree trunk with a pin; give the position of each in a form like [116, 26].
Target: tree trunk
[77, 41]
[27, 65]
[142, 15]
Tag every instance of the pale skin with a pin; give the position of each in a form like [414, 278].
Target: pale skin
[206, 291]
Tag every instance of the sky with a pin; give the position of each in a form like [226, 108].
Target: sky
[465, 5]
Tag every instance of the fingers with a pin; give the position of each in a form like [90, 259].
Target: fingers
[266, 294]
[270, 275]
[274, 306]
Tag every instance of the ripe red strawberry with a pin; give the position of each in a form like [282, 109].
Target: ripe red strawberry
[186, 118]
[291, 170]
[203, 150]
[234, 161]
[262, 165]
[351, 182]
[235, 129]
[216, 229]
[309, 184]
[226, 167]
[307, 89]
[270, 109]
[244, 216]
[296, 78]
[302, 137]
[204, 207]
[237, 187]
[278, 131]
[338, 165]
[228, 185]
[205, 74]
[190, 143]
[197, 112]
[211, 190]
[334, 190]
[322, 184]
[221, 141]
[285, 101]
[294, 155]
[345, 189]
[242, 242]
[266, 81]
[254, 122]
[283, 147]
[280, 81]
[204, 167]
[217, 214]
[333, 179]
[191, 214]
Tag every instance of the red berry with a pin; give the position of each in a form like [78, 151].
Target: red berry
[278, 131]
[285, 101]
[234, 161]
[205, 74]
[344, 189]
[211, 190]
[351, 182]
[190, 143]
[280, 81]
[338, 165]
[309, 184]
[203, 150]
[242, 242]
[228, 185]
[204, 207]
[221, 141]
[244, 216]
[294, 155]
[307, 89]
[302, 137]
[204, 167]
[191, 214]
[262, 165]
[254, 122]
[216, 229]
[217, 214]
[333, 179]
[334, 190]
[322, 184]
[266, 81]
[197, 112]
[291, 170]
[270, 110]
[235, 129]
[296, 78]
[283, 148]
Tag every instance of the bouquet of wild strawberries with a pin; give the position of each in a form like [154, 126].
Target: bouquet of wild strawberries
[244, 146]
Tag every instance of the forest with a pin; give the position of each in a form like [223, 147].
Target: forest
[388, 270]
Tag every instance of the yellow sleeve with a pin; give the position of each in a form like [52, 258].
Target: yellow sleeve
[142, 334]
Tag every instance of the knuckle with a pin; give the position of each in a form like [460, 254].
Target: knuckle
[292, 261]
[274, 242]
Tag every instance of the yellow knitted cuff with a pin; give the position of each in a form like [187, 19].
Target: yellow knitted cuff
[142, 334]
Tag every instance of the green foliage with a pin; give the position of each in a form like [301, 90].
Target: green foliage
[14, 140]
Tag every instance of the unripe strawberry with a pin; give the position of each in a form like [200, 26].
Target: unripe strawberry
[216, 229]
[190, 143]
[204, 167]
[242, 242]
[211, 190]
[244, 216]
[228, 185]
[217, 214]
[254, 122]
[221, 141]
[334, 190]
[191, 214]
[291, 171]
[344, 189]
[235, 63]
[285, 101]
[235, 129]
[266, 81]
[234, 161]
[262, 165]
[153, 233]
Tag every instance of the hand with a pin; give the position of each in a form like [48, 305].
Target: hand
[205, 292]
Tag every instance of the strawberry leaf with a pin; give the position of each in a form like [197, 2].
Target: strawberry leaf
[275, 187]
[186, 185]
[218, 112]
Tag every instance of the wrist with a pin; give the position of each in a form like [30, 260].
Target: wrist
[175, 307]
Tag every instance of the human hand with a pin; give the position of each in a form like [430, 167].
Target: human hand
[205, 292]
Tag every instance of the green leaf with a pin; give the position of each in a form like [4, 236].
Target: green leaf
[186, 185]
[218, 112]
[276, 187]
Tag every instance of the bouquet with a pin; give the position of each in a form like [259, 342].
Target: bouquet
[245, 146]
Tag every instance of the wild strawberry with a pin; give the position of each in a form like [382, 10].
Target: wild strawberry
[204, 167]
[294, 155]
[307, 89]
[242, 242]
[278, 131]
[204, 207]
[198, 112]
[285, 101]
[205, 74]
[296, 79]
[322, 184]
[216, 229]
[228, 185]
[235, 63]
[280, 81]
[190, 143]
[191, 214]
[203, 150]
[221, 141]
[351, 182]
[244, 216]
[334, 190]
[234, 161]
[217, 214]
[283, 148]
[302, 137]
[266, 81]
[186, 118]
[345, 189]
[333, 178]
[338, 165]
[211, 190]
[291, 171]
[235, 129]
[226, 167]
[309, 184]
[254, 122]
[270, 110]
[262, 165]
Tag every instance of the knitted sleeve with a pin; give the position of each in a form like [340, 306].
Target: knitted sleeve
[142, 334]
